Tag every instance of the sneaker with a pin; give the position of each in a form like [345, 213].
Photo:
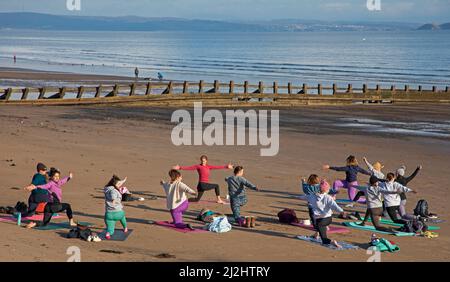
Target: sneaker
[108, 236]
[252, 222]
[89, 238]
[247, 222]
[96, 239]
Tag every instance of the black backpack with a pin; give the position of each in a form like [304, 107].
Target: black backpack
[287, 216]
[21, 207]
[421, 209]
[414, 226]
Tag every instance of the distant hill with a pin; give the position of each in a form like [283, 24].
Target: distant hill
[434, 26]
[131, 23]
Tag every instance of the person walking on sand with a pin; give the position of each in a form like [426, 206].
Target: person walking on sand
[203, 170]
[136, 73]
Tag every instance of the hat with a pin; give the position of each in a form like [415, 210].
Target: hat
[41, 166]
[401, 170]
[378, 166]
[121, 182]
[324, 186]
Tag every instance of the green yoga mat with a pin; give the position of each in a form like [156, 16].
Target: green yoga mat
[62, 225]
[372, 229]
[391, 223]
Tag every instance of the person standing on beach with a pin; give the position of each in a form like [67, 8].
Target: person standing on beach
[15, 58]
[113, 206]
[351, 171]
[136, 73]
[203, 170]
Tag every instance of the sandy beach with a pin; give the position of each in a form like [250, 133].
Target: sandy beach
[94, 142]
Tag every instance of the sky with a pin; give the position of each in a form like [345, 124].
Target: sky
[416, 11]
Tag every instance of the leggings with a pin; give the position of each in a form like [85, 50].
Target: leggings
[177, 214]
[402, 210]
[338, 184]
[393, 213]
[311, 217]
[112, 217]
[375, 215]
[236, 203]
[52, 208]
[202, 187]
[321, 226]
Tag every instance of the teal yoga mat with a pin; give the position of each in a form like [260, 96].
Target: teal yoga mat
[391, 223]
[372, 229]
[62, 225]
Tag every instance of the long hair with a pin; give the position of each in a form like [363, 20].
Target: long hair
[113, 181]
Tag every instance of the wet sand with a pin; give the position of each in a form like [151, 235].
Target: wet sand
[95, 142]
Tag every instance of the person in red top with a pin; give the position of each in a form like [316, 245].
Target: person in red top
[203, 170]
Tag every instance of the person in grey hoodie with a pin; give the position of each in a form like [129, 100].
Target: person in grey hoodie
[238, 197]
[113, 206]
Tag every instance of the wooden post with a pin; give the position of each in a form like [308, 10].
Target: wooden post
[350, 88]
[200, 87]
[406, 88]
[393, 89]
[245, 87]
[98, 91]
[434, 89]
[420, 88]
[334, 88]
[216, 87]
[132, 89]
[42, 92]
[261, 87]
[378, 89]
[185, 87]
[25, 92]
[305, 88]
[148, 91]
[364, 88]
[231, 90]
[80, 92]
[8, 93]
[170, 88]
[319, 89]
[62, 92]
[289, 88]
[447, 89]
[275, 88]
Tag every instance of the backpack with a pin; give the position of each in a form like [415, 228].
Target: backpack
[421, 208]
[414, 226]
[287, 216]
[220, 224]
[21, 207]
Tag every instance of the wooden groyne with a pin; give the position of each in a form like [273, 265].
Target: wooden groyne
[221, 94]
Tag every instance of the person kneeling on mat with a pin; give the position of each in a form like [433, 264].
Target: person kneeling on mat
[55, 205]
[323, 206]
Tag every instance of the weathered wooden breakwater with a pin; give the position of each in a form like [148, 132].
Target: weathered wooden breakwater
[221, 94]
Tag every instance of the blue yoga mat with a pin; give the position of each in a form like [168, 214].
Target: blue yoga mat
[372, 229]
[118, 235]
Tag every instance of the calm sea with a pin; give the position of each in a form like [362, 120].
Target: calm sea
[409, 57]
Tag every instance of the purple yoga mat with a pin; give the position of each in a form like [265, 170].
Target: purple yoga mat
[207, 202]
[172, 226]
[333, 229]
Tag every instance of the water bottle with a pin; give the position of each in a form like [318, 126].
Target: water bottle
[19, 218]
[374, 239]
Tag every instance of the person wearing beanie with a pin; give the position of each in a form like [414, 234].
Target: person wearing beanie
[322, 206]
[401, 179]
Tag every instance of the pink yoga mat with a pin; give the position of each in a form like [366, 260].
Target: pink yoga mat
[172, 226]
[333, 229]
[36, 217]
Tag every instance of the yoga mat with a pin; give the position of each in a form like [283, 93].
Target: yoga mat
[372, 229]
[172, 226]
[62, 225]
[345, 246]
[391, 223]
[435, 220]
[118, 235]
[333, 229]
[36, 217]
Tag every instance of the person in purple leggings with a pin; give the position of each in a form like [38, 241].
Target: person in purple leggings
[177, 200]
[350, 182]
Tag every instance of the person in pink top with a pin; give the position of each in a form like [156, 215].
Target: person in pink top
[203, 170]
[55, 203]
